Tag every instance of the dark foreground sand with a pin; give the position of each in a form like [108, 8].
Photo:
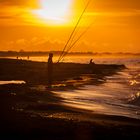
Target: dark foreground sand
[24, 117]
[27, 113]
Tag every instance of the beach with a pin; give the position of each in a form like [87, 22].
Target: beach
[21, 119]
[32, 111]
[69, 69]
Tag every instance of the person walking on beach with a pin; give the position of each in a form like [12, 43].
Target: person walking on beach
[50, 69]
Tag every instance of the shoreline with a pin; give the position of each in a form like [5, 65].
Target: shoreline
[30, 113]
[23, 116]
[33, 72]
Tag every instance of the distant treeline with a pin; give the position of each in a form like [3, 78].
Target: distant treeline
[41, 53]
[35, 53]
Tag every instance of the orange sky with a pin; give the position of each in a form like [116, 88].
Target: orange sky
[44, 25]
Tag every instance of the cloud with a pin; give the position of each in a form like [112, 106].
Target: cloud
[21, 3]
[12, 16]
[21, 42]
[116, 4]
[35, 44]
[12, 2]
[45, 44]
[115, 14]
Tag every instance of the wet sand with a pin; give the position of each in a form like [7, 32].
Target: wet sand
[36, 72]
[28, 113]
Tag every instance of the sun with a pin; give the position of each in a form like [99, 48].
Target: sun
[53, 11]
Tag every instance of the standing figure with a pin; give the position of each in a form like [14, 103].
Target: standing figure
[50, 70]
[91, 62]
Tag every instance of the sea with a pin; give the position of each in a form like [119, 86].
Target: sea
[118, 95]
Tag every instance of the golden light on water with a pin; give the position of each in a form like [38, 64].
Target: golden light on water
[134, 97]
[133, 82]
[53, 12]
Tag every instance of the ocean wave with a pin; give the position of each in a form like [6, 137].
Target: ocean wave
[135, 99]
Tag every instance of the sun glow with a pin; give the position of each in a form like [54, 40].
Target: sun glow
[53, 11]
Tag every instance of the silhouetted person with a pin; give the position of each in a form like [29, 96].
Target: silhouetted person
[91, 62]
[91, 65]
[50, 69]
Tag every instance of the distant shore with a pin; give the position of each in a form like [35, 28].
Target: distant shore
[23, 53]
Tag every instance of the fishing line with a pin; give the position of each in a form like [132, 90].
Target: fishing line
[73, 44]
[73, 31]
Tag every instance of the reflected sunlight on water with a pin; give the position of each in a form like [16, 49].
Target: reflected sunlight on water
[133, 82]
[118, 95]
[12, 82]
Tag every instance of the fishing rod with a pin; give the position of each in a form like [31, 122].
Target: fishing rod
[74, 30]
[71, 46]
[72, 39]
[71, 35]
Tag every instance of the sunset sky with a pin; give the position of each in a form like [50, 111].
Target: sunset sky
[45, 25]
